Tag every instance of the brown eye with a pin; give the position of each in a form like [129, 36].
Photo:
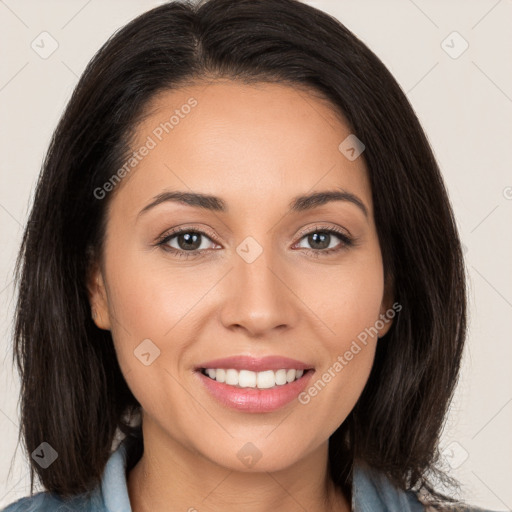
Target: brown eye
[325, 241]
[320, 240]
[186, 243]
[186, 240]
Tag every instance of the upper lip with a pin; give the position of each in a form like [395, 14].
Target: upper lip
[256, 364]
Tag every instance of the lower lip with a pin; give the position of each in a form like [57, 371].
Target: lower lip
[255, 400]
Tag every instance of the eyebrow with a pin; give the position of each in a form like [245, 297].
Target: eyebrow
[298, 204]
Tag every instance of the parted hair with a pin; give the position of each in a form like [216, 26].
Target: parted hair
[73, 394]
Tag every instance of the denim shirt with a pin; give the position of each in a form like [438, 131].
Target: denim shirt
[371, 492]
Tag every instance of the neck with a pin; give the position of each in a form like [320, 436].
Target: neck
[170, 475]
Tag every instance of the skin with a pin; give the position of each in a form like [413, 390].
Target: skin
[256, 147]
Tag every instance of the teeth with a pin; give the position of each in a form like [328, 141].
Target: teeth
[281, 377]
[249, 379]
[232, 377]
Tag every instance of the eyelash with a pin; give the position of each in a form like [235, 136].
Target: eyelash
[346, 242]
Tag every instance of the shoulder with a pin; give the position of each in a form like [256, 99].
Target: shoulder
[372, 491]
[110, 495]
[47, 502]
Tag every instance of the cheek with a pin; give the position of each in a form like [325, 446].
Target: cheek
[147, 303]
[157, 310]
[345, 297]
[348, 302]
[151, 297]
[338, 383]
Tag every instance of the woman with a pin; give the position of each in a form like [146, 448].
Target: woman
[242, 265]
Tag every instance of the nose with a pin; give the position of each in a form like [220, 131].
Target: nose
[258, 297]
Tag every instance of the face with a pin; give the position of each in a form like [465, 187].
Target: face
[254, 273]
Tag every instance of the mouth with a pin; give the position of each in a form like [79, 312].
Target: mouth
[254, 385]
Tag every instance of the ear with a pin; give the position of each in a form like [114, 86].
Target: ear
[98, 296]
[388, 309]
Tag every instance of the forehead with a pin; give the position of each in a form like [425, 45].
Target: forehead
[238, 141]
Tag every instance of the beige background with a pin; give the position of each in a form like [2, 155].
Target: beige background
[465, 106]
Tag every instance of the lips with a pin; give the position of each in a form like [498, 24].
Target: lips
[255, 364]
[250, 399]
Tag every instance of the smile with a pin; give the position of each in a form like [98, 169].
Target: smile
[248, 379]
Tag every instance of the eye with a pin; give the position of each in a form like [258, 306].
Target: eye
[186, 242]
[324, 241]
